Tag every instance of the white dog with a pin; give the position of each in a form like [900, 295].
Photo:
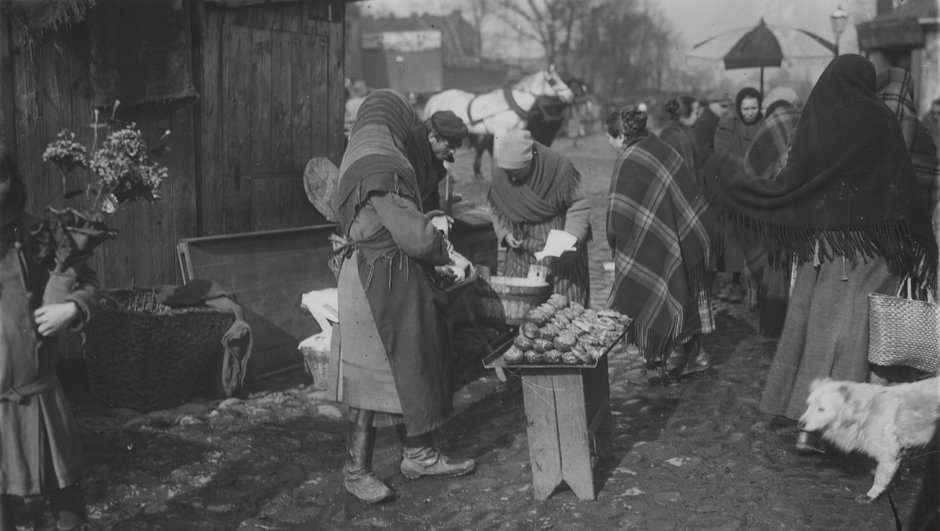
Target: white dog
[877, 420]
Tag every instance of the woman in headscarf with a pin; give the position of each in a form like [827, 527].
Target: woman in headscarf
[657, 228]
[678, 134]
[536, 190]
[394, 346]
[847, 205]
[764, 159]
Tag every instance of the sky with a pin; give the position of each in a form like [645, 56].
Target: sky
[694, 21]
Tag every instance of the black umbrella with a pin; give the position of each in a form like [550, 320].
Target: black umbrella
[763, 46]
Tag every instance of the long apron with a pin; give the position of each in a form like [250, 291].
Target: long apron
[40, 449]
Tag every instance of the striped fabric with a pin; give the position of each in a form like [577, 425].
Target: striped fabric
[656, 228]
[681, 139]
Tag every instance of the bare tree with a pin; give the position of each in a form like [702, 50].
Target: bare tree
[550, 23]
[479, 11]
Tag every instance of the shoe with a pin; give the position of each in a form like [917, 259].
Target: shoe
[701, 362]
[358, 477]
[807, 443]
[427, 461]
[366, 486]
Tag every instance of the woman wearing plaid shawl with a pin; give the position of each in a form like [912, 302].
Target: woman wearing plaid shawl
[683, 111]
[895, 86]
[657, 228]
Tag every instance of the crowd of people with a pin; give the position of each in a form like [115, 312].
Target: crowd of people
[807, 208]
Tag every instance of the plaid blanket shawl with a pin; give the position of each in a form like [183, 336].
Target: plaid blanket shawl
[896, 88]
[657, 230]
[681, 139]
[767, 154]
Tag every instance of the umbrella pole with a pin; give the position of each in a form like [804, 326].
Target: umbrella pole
[762, 83]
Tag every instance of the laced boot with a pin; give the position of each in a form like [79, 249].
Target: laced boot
[426, 460]
[358, 477]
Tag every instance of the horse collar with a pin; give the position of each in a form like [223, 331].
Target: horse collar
[520, 112]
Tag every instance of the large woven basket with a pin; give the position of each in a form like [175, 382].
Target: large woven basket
[143, 355]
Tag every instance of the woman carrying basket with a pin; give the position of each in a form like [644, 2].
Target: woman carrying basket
[847, 205]
[40, 450]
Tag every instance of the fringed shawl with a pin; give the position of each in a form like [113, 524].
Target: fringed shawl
[543, 195]
[375, 159]
[657, 227]
[848, 185]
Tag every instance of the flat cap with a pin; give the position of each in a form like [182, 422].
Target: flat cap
[449, 127]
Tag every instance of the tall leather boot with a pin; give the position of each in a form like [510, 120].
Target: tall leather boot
[358, 477]
[421, 458]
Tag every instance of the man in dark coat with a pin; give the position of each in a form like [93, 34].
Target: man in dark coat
[429, 145]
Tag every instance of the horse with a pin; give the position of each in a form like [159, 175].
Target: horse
[502, 109]
[544, 120]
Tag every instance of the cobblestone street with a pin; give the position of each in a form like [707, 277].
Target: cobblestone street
[693, 455]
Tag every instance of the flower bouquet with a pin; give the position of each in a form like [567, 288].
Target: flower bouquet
[121, 171]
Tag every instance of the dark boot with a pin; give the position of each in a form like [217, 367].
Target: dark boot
[697, 360]
[358, 477]
[6, 513]
[68, 506]
[421, 458]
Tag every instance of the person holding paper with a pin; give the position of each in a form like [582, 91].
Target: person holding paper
[535, 191]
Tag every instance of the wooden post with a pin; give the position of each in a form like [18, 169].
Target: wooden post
[7, 109]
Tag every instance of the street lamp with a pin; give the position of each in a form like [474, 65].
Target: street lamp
[839, 19]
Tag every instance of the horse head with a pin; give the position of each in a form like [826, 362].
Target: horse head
[546, 82]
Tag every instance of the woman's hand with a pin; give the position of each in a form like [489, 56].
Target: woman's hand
[459, 265]
[442, 223]
[512, 241]
[52, 318]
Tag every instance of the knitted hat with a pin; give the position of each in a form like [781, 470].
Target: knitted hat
[513, 150]
[449, 127]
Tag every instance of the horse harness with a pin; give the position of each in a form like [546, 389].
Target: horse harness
[513, 106]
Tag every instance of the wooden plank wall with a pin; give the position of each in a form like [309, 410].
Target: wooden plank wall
[51, 92]
[270, 97]
[279, 104]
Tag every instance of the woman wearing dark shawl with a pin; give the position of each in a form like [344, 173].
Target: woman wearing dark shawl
[766, 156]
[535, 190]
[657, 228]
[848, 207]
[394, 347]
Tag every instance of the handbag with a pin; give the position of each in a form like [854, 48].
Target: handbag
[903, 331]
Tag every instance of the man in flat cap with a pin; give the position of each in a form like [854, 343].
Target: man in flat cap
[429, 145]
[535, 190]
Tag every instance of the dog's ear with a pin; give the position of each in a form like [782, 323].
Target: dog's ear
[845, 391]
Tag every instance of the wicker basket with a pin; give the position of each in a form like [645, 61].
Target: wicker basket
[143, 355]
[507, 300]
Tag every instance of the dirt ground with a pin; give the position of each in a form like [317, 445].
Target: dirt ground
[693, 455]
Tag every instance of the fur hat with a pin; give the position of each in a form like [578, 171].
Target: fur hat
[513, 150]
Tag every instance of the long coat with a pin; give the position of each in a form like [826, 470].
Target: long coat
[39, 443]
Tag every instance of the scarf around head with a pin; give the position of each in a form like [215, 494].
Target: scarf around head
[540, 197]
[375, 160]
[848, 184]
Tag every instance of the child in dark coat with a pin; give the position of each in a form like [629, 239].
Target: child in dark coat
[40, 450]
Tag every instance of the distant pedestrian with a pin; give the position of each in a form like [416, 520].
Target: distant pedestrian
[657, 230]
[40, 449]
[848, 207]
[717, 104]
[535, 190]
